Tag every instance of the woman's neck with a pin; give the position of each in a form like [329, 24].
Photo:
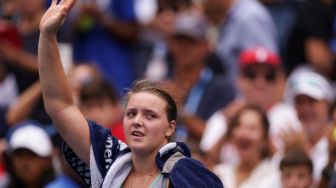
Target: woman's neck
[143, 173]
[250, 164]
[245, 169]
[143, 165]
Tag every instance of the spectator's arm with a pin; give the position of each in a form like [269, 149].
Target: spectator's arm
[195, 125]
[18, 56]
[56, 92]
[319, 55]
[24, 105]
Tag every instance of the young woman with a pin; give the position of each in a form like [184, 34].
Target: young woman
[248, 132]
[150, 119]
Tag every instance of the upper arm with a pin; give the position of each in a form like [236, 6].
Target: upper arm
[73, 128]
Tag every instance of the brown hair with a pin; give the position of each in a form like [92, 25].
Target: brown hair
[98, 89]
[296, 157]
[234, 123]
[157, 89]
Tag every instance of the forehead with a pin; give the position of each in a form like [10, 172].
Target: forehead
[146, 100]
[302, 169]
[249, 116]
[303, 98]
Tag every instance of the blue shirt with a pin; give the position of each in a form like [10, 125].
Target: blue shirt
[99, 46]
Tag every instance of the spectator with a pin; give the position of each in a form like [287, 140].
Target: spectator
[29, 157]
[152, 47]
[248, 131]
[242, 24]
[296, 169]
[200, 88]
[312, 96]
[99, 102]
[310, 37]
[22, 61]
[283, 13]
[81, 74]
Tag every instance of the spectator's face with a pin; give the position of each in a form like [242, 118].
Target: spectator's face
[79, 75]
[261, 85]
[146, 125]
[28, 166]
[248, 135]
[312, 113]
[296, 177]
[187, 51]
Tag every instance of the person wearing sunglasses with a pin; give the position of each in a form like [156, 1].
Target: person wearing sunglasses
[261, 82]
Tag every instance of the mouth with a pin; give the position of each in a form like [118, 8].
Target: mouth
[137, 134]
[243, 144]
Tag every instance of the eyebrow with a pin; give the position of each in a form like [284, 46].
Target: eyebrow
[146, 110]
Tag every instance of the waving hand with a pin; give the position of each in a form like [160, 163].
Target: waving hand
[55, 16]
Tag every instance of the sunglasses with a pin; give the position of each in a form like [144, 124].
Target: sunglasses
[252, 74]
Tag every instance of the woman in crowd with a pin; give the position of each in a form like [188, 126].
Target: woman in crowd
[248, 132]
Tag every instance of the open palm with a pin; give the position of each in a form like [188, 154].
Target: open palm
[54, 17]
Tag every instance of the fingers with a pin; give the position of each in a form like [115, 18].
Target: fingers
[68, 3]
[53, 2]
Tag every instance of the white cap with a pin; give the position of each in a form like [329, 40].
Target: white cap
[311, 84]
[33, 138]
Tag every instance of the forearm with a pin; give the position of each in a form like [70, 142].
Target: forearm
[24, 105]
[319, 55]
[194, 124]
[26, 61]
[55, 89]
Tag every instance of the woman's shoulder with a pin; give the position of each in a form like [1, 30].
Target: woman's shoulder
[175, 161]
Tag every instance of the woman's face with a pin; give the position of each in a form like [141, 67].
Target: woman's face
[248, 135]
[146, 125]
[28, 166]
[261, 84]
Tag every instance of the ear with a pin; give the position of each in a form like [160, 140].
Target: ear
[171, 128]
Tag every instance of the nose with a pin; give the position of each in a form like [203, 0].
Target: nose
[260, 81]
[138, 121]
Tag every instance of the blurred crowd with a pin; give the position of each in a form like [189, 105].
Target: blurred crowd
[255, 81]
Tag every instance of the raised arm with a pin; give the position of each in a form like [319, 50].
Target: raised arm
[56, 92]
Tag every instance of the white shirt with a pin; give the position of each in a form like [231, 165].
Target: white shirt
[319, 156]
[265, 175]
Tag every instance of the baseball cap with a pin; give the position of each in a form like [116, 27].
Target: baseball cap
[311, 84]
[259, 55]
[190, 24]
[31, 137]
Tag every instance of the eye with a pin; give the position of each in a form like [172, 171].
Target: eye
[130, 114]
[150, 116]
